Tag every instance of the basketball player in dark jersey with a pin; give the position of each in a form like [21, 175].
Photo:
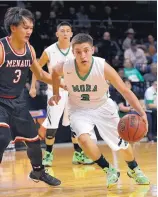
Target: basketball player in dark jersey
[16, 58]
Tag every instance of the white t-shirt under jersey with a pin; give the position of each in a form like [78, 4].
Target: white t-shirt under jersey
[90, 91]
[55, 55]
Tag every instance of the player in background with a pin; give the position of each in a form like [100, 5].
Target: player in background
[17, 56]
[89, 105]
[59, 51]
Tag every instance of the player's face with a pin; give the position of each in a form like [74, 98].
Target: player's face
[23, 31]
[83, 53]
[64, 33]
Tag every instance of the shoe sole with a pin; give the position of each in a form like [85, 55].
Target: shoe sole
[78, 163]
[46, 165]
[34, 180]
[137, 182]
[37, 181]
[113, 184]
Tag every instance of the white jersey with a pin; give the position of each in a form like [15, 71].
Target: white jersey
[90, 91]
[55, 55]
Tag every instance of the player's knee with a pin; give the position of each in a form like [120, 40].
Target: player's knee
[83, 139]
[5, 138]
[50, 134]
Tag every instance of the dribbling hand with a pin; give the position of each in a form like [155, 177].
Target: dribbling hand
[144, 117]
[54, 100]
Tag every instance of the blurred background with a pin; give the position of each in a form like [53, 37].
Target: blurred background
[125, 35]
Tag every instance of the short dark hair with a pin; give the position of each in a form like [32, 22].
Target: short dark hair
[16, 15]
[64, 23]
[82, 38]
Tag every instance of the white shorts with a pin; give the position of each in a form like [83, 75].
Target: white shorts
[105, 118]
[54, 113]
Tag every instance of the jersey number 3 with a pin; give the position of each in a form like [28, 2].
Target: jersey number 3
[18, 75]
[85, 97]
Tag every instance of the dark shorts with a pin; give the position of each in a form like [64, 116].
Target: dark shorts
[15, 115]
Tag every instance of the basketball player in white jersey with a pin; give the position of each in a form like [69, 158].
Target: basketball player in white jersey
[89, 105]
[53, 54]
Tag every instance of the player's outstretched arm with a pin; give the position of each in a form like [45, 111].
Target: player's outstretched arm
[57, 73]
[112, 76]
[42, 61]
[38, 71]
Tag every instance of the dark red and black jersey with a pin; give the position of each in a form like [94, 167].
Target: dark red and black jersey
[13, 69]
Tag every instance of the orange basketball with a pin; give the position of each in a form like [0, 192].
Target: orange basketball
[131, 128]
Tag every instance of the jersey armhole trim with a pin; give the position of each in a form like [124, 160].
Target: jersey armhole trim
[3, 54]
[30, 51]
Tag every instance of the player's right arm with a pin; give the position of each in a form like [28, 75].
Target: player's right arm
[57, 73]
[112, 76]
[42, 61]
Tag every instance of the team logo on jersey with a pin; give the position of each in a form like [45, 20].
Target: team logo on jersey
[84, 88]
[18, 63]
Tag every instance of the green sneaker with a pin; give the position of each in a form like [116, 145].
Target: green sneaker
[138, 176]
[112, 176]
[81, 158]
[47, 159]
[86, 160]
[77, 158]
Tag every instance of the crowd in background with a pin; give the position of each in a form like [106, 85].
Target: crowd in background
[129, 47]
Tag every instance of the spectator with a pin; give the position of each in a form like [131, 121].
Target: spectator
[151, 104]
[132, 73]
[136, 56]
[92, 14]
[152, 76]
[121, 73]
[72, 14]
[83, 18]
[154, 58]
[151, 45]
[108, 49]
[107, 16]
[151, 96]
[123, 105]
[51, 26]
[130, 36]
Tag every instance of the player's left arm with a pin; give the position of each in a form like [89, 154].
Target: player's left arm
[38, 71]
[57, 73]
[112, 76]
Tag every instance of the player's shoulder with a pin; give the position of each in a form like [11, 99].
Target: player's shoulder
[96, 58]
[98, 61]
[2, 39]
[51, 48]
[2, 42]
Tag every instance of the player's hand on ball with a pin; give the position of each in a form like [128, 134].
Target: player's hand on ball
[33, 92]
[54, 100]
[144, 117]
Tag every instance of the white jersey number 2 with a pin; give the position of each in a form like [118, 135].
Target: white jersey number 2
[18, 75]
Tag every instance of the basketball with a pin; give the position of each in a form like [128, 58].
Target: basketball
[131, 128]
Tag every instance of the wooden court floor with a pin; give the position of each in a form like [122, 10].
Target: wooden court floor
[78, 180]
